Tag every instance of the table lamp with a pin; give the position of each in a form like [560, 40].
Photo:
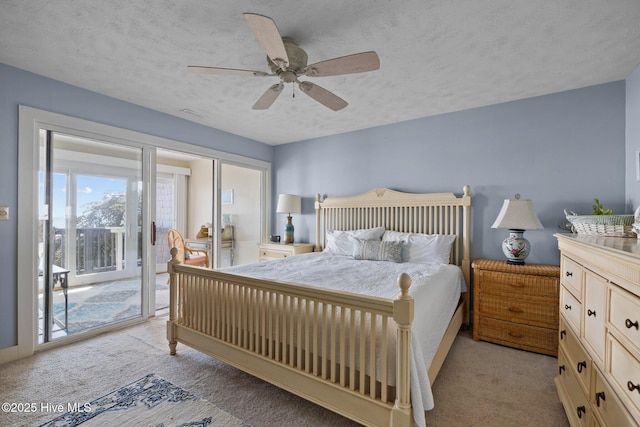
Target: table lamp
[517, 215]
[289, 204]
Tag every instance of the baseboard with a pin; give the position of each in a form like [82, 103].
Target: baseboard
[9, 354]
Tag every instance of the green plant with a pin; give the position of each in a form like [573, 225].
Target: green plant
[598, 209]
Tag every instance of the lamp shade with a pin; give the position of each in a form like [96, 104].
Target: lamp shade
[289, 204]
[518, 214]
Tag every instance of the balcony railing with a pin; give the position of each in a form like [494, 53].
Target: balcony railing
[97, 250]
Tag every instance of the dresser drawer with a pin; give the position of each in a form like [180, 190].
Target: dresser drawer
[577, 403]
[531, 312]
[625, 315]
[571, 276]
[578, 359]
[570, 308]
[608, 406]
[625, 370]
[523, 284]
[533, 338]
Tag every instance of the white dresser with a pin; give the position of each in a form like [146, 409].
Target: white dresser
[598, 377]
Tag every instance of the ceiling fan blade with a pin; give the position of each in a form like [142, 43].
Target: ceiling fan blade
[232, 71]
[268, 97]
[323, 96]
[350, 64]
[269, 38]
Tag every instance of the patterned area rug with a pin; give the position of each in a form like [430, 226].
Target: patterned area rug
[149, 401]
[99, 305]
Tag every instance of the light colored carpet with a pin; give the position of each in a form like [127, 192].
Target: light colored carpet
[480, 384]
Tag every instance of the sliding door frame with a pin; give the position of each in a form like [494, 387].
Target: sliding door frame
[31, 120]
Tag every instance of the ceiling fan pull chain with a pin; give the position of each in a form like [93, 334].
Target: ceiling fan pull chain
[294, 91]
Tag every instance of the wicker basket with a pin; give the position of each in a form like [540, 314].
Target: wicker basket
[601, 225]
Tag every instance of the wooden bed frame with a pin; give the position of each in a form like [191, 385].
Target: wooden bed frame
[298, 338]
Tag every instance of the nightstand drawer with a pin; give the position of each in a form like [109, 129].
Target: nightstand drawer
[523, 284]
[526, 337]
[269, 251]
[539, 313]
[274, 254]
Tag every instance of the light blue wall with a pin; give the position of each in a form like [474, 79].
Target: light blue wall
[560, 150]
[20, 87]
[633, 139]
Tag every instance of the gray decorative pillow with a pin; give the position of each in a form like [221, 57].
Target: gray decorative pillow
[376, 250]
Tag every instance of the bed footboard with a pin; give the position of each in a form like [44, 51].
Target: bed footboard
[306, 340]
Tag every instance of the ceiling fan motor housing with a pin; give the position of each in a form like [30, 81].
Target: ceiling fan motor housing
[297, 61]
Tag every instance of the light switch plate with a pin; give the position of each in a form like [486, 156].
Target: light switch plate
[4, 213]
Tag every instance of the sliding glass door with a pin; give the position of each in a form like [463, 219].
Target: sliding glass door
[88, 198]
[90, 242]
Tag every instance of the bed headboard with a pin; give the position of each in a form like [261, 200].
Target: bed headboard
[430, 213]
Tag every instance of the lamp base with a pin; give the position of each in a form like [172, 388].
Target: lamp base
[288, 231]
[515, 247]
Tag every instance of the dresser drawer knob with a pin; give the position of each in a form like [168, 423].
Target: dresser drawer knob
[591, 313]
[563, 333]
[633, 386]
[560, 369]
[515, 309]
[599, 397]
[569, 274]
[515, 334]
[629, 324]
[581, 410]
[567, 307]
[582, 365]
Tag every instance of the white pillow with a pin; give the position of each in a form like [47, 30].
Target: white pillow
[339, 243]
[423, 248]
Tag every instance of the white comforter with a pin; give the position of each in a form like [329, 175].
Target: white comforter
[435, 288]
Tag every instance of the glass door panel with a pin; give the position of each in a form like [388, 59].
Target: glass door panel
[91, 249]
[241, 199]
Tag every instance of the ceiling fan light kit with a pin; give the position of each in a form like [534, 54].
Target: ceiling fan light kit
[288, 61]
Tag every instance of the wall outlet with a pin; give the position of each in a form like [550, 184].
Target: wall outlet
[4, 213]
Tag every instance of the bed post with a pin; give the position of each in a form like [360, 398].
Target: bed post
[401, 415]
[173, 301]
[318, 246]
[465, 264]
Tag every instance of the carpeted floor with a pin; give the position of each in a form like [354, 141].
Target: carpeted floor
[480, 384]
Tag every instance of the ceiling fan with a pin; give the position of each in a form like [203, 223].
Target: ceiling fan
[288, 61]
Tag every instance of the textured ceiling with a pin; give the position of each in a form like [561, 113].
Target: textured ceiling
[436, 56]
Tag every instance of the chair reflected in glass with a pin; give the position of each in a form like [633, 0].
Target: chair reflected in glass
[187, 255]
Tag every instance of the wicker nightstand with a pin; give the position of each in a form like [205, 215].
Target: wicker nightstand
[516, 305]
